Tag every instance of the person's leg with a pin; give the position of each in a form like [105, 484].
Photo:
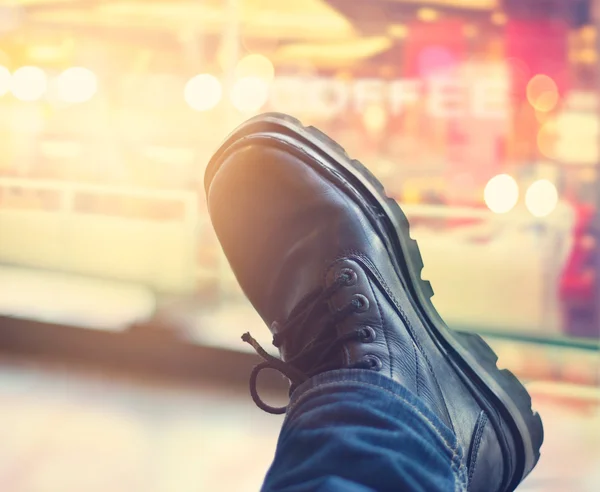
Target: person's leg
[326, 258]
[358, 431]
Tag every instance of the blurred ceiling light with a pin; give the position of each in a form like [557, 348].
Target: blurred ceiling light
[255, 65]
[332, 54]
[498, 18]
[203, 92]
[29, 83]
[76, 85]
[427, 15]
[542, 93]
[5, 78]
[541, 198]
[398, 31]
[501, 193]
[249, 94]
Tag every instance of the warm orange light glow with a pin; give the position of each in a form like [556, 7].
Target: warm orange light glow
[427, 15]
[546, 139]
[588, 33]
[398, 31]
[588, 56]
[542, 93]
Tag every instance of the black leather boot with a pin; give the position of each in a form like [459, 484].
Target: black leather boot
[327, 260]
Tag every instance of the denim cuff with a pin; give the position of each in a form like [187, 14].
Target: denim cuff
[382, 387]
[361, 376]
[338, 403]
[378, 389]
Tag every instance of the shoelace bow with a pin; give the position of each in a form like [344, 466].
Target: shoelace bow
[320, 346]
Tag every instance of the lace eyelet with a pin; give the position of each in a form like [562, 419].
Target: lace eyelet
[374, 362]
[348, 276]
[367, 334]
[360, 302]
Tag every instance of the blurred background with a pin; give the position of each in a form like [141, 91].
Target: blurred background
[120, 360]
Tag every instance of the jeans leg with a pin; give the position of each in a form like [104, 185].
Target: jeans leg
[353, 430]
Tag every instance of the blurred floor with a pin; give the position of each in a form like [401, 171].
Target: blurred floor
[62, 431]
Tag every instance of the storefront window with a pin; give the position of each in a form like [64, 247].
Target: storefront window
[481, 118]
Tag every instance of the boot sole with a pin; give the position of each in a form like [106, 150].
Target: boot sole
[469, 353]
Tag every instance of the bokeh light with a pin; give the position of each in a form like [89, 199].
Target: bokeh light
[249, 94]
[542, 117]
[427, 14]
[588, 56]
[542, 93]
[203, 92]
[546, 139]
[5, 78]
[588, 33]
[255, 65]
[501, 193]
[29, 83]
[398, 31]
[76, 85]
[541, 198]
[375, 118]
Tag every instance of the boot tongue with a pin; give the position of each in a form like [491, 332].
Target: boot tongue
[312, 326]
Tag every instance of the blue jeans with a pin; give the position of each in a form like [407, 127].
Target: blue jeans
[357, 431]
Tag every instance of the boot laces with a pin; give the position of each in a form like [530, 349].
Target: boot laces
[316, 353]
